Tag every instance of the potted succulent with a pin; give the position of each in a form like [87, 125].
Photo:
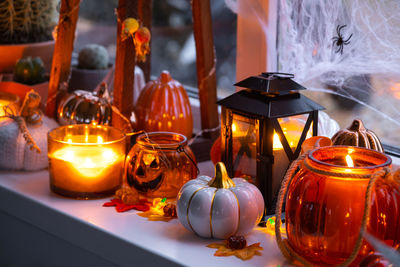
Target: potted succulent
[93, 65]
[28, 73]
[26, 30]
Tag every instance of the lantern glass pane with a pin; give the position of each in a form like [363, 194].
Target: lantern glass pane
[292, 128]
[244, 137]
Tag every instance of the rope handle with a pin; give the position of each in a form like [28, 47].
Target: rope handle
[284, 245]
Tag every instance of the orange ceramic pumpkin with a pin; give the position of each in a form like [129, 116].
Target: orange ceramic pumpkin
[163, 105]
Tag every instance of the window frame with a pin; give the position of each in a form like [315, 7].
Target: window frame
[261, 54]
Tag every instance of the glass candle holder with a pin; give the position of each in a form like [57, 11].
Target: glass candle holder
[325, 204]
[159, 164]
[86, 161]
[10, 102]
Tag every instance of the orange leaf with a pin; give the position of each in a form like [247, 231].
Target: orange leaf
[244, 254]
[155, 217]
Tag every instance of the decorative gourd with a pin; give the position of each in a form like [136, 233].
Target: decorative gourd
[163, 105]
[15, 153]
[219, 207]
[23, 136]
[357, 135]
[29, 71]
[85, 107]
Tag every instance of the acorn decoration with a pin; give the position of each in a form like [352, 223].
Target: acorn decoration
[357, 135]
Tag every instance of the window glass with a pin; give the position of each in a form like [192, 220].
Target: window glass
[347, 53]
[172, 46]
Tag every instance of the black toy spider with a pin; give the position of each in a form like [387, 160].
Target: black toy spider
[339, 40]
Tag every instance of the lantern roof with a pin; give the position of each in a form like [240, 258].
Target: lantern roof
[271, 82]
[269, 98]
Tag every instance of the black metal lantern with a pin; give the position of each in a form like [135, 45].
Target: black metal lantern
[261, 132]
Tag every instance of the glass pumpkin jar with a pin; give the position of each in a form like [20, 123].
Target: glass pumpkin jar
[325, 204]
[159, 164]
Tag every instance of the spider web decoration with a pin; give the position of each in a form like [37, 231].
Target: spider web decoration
[366, 71]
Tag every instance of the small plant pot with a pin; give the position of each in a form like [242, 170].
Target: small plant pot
[11, 53]
[85, 79]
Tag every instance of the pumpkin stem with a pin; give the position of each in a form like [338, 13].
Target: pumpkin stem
[357, 125]
[221, 178]
[165, 77]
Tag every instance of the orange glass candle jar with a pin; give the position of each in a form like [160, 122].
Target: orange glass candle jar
[86, 161]
[325, 204]
[159, 164]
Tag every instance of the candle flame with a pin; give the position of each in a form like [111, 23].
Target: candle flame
[233, 127]
[349, 161]
[277, 141]
[89, 162]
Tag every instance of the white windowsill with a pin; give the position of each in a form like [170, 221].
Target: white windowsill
[93, 234]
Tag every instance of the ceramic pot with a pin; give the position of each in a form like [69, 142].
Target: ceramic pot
[11, 53]
[86, 79]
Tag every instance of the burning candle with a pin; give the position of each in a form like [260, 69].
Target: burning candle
[292, 129]
[246, 136]
[10, 102]
[86, 161]
[325, 204]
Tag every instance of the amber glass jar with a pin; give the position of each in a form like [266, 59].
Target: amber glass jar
[325, 204]
[159, 164]
[86, 161]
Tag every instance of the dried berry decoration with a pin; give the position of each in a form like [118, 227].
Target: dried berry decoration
[170, 210]
[236, 242]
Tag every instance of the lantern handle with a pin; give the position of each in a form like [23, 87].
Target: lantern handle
[284, 245]
[277, 75]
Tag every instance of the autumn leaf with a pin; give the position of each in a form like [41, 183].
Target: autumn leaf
[157, 211]
[244, 254]
[151, 216]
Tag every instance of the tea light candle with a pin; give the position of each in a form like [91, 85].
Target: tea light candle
[86, 161]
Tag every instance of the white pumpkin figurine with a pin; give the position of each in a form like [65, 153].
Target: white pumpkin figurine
[219, 207]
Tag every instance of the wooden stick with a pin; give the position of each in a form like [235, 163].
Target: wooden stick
[124, 65]
[205, 62]
[60, 68]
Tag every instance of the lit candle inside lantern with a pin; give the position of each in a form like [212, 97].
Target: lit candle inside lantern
[292, 130]
[245, 135]
[86, 160]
